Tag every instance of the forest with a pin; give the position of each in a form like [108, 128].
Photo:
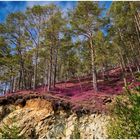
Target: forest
[70, 73]
[45, 46]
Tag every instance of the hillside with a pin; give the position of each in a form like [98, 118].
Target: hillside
[70, 64]
[64, 112]
[78, 93]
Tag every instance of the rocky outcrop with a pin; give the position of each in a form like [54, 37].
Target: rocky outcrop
[41, 118]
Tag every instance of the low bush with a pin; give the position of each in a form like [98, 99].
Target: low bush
[125, 121]
[137, 75]
[137, 88]
[10, 131]
[76, 131]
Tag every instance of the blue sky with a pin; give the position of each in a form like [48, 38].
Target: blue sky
[7, 7]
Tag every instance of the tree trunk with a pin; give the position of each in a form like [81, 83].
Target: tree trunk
[103, 73]
[93, 67]
[55, 67]
[49, 78]
[80, 83]
[54, 77]
[45, 75]
[130, 69]
[136, 62]
[123, 66]
[123, 74]
[14, 86]
[136, 19]
[35, 70]
[50, 70]
[5, 88]
[138, 36]
[19, 81]
[34, 79]
[30, 80]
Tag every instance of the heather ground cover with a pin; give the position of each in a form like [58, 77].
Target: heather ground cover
[80, 92]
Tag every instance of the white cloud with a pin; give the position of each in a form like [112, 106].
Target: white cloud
[32, 3]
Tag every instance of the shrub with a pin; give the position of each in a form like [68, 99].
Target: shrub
[76, 131]
[125, 122]
[137, 75]
[137, 88]
[10, 131]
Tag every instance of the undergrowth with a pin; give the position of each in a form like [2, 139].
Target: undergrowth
[125, 120]
[11, 131]
[76, 131]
